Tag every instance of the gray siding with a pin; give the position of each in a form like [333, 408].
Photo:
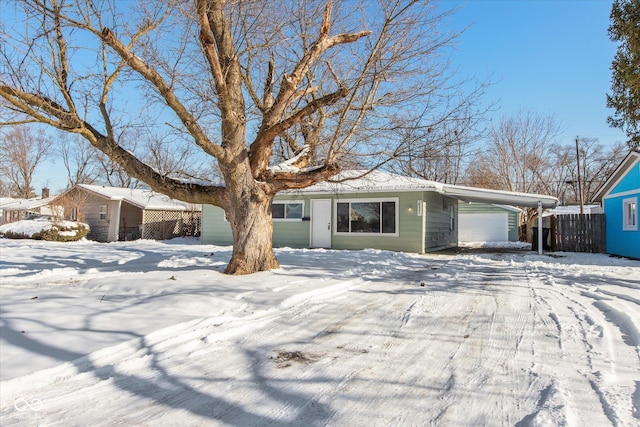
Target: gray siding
[89, 213]
[439, 232]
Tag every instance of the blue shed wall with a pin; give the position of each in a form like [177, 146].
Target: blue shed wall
[620, 242]
[630, 181]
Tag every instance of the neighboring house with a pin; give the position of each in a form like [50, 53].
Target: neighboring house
[4, 201]
[484, 222]
[126, 214]
[380, 211]
[619, 196]
[18, 209]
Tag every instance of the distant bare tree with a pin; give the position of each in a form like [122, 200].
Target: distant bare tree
[597, 163]
[113, 174]
[79, 159]
[176, 161]
[73, 204]
[445, 146]
[523, 154]
[22, 150]
[5, 191]
[516, 156]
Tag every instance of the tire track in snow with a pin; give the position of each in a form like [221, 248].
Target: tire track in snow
[588, 326]
[477, 345]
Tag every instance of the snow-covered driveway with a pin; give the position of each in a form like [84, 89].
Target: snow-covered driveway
[333, 338]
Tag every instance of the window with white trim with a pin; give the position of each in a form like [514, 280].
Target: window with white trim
[367, 217]
[630, 214]
[287, 210]
[103, 211]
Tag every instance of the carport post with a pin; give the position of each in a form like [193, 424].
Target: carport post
[540, 227]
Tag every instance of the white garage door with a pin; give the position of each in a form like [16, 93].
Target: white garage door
[487, 227]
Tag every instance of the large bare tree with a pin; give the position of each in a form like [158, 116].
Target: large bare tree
[22, 150]
[322, 84]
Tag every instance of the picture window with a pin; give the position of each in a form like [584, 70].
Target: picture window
[367, 217]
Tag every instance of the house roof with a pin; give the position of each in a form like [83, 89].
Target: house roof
[361, 181]
[616, 176]
[143, 199]
[26, 204]
[6, 200]
[571, 209]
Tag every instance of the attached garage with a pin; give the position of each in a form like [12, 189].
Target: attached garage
[483, 222]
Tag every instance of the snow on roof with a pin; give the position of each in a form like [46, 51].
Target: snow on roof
[144, 199]
[572, 209]
[26, 204]
[362, 181]
[6, 200]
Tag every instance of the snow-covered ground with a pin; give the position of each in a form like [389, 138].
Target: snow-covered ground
[151, 333]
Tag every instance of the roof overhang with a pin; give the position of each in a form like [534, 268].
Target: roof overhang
[632, 158]
[482, 195]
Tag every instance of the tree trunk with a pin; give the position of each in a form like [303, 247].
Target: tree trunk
[252, 229]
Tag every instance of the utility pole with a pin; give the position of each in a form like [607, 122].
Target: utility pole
[579, 177]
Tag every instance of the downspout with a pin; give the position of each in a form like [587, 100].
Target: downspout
[540, 243]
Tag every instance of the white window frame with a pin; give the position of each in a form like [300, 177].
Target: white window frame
[630, 214]
[103, 212]
[288, 202]
[396, 200]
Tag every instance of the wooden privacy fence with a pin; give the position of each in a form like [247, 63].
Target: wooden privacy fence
[578, 233]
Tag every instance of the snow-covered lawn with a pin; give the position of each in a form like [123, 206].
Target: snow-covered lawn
[151, 333]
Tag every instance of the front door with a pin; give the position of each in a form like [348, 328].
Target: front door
[321, 223]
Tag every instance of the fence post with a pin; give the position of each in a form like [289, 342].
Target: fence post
[540, 242]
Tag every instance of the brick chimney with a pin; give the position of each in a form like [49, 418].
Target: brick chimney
[45, 193]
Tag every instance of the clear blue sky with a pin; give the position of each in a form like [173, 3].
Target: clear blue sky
[546, 56]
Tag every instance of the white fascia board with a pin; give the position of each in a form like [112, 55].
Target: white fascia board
[483, 195]
[614, 179]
